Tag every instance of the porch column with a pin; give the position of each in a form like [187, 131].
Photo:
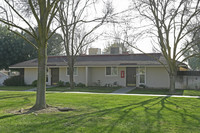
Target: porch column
[49, 76]
[86, 75]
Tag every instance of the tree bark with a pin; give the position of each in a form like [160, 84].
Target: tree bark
[72, 79]
[71, 72]
[172, 77]
[41, 84]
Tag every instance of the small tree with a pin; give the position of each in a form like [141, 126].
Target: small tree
[168, 22]
[74, 17]
[43, 12]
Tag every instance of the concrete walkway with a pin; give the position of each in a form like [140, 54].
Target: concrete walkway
[150, 95]
[33, 89]
[123, 90]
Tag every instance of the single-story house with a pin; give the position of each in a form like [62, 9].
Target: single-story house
[91, 70]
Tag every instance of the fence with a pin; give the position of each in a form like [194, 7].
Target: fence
[188, 80]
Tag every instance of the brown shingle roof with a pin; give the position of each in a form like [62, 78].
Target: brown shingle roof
[98, 60]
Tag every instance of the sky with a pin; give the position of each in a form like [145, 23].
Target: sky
[144, 44]
[118, 5]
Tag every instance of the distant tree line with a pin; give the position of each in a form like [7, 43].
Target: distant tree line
[14, 49]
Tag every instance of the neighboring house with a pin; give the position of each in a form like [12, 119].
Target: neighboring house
[120, 69]
[3, 76]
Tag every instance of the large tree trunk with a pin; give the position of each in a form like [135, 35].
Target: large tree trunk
[72, 78]
[41, 84]
[71, 72]
[172, 77]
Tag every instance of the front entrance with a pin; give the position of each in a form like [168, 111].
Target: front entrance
[54, 76]
[131, 76]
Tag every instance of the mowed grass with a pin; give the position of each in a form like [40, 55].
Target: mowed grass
[191, 92]
[85, 89]
[100, 113]
[15, 88]
[64, 89]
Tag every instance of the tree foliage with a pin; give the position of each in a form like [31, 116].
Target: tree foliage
[55, 45]
[12, 48]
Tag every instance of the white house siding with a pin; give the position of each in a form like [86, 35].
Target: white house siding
[98, 75]
[30, 74]
[89, 76]
[157, 77]
[80, 78]
[62, 74]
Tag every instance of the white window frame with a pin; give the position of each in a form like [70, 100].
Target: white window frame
[111, 71]
[142, 74]
[74, 71]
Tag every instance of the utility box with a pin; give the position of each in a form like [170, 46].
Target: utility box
[94, 51]
[115, 50]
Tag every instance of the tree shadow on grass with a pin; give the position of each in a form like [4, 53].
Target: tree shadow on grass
[12, 100]
[75, 122]
[125, 118]
[177, 110]
[6, 116]
[9, 103]
[8, 96]
[124, 113]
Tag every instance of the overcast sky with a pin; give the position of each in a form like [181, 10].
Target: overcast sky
[120, 5]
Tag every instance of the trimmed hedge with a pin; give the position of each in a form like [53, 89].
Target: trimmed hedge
[14, 81]
[61, 83]
[67, 84]
[34, 83]
[80, 85]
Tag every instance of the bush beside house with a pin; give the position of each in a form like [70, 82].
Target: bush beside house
[14, 81]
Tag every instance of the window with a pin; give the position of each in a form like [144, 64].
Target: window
[47, 75]
[108, 70]
[111, 71]
[75, 71]
[142, 75]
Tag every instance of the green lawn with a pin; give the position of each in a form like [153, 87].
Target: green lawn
[153, 91]
[165, 91]
[98, 113]
[191, 92]
[85, 89]
[15, 88]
